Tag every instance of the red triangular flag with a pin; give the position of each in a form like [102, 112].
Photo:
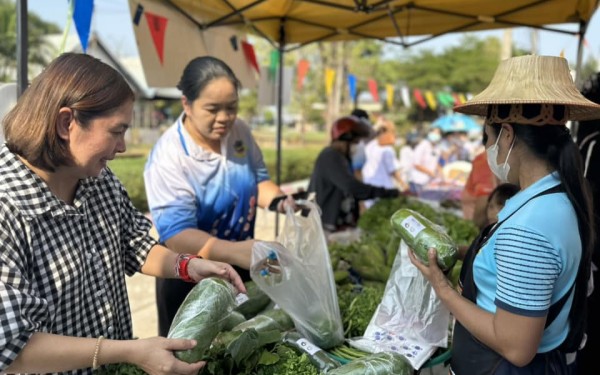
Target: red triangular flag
[303, 66]
[250, 56]
[419, 98]
[158, 26]
[373, 89]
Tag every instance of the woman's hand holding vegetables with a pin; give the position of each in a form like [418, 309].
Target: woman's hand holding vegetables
[432, 273]
[199, 269]
[155, 356]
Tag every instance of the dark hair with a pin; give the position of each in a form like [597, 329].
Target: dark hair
[81, 82]
[503, 192]
[554, 144]
[591, 90]
[200, 71]
[360, 113]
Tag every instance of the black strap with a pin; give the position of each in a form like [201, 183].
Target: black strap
[555, 308]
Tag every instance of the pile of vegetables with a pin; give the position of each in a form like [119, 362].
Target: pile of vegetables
[254, 338]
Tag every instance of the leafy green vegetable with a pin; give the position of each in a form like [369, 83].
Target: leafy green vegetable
[202, 316]
[316, 355]
[376, 364]
[289, 363]
[421, 234]
[257, 301]
[268, 320]
[357, 305]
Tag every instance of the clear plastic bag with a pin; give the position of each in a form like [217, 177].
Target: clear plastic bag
[296, 274]
[410, 319]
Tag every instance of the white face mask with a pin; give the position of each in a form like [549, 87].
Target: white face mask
[500, 171]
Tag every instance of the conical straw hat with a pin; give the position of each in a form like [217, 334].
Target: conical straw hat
[533, 80]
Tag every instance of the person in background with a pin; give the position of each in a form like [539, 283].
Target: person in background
[480, 184]
[205, 178]
[382, 168]
[495, 202]
[522, 309]
[426, 158]
[406, 156]
[588, 139]
[337, 189]
[70, 233]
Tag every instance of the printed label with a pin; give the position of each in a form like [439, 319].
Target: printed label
[412, 225]
[241, 298]
[308, 346]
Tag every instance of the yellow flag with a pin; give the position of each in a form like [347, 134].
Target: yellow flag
[389, 89]
[329, 79]
[462, 98]
[430, 99]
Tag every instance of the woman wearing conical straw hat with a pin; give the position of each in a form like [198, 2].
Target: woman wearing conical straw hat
[522, 305]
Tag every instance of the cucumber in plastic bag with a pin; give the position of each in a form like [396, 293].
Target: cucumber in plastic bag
[421, 234]
[384, 363]
[202, 315]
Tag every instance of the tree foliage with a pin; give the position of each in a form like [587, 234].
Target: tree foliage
[37, 46]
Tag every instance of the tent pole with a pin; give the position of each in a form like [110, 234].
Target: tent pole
[279, 112]
[21, 46]
[582, 30]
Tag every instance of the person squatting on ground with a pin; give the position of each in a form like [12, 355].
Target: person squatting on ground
[522, 309]
[70, 233]
[205, 178]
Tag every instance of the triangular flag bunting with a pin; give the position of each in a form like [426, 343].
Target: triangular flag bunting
[352, 86]
[419, 98]
[250, 55]
[82, 15]
[389, 90]
[303, 66]
[373, 90]
[329, 79]
[139, 10]
[158, 27]
[273, 64]
[430, 99]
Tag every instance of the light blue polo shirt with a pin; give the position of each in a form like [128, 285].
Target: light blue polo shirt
[189, 187]
[531, 261]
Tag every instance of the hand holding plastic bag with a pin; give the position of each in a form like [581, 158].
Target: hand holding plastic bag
[296, 273]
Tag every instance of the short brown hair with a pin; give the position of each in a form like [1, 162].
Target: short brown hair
[83, 83]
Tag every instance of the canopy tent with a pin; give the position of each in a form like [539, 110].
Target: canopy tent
[290, 24]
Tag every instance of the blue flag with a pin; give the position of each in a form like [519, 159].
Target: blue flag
[82, 15]
[352, 85]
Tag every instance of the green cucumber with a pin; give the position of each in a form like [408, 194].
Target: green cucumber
[420, 235]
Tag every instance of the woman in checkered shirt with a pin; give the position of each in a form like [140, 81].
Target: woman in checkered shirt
[70, 233]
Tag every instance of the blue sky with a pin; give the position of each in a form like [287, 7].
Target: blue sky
[112, 22]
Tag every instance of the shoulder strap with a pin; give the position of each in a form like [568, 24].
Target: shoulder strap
[556, 308]
[552, 190]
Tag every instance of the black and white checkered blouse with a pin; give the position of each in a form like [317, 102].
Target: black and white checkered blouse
[62, 267]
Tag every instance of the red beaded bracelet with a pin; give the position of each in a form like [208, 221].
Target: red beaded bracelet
[181, 267]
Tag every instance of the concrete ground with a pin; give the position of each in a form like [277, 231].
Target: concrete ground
[142, 291]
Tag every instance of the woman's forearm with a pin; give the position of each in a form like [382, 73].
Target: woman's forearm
[45, 353]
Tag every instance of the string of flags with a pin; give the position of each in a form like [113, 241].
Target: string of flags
[82, 11]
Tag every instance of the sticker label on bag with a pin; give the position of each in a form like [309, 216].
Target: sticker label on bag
[412, 225]
[241, 298]
[308, 346]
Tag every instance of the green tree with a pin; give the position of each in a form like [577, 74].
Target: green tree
[37, 45]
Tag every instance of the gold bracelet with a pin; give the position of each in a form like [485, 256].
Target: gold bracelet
[96, 352]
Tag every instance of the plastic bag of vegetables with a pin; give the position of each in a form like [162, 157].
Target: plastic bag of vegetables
[376, 364]
[202, 316]
[296, 273]
[410, 319]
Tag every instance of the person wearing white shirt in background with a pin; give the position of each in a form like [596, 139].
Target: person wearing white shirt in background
[426, 161]
[382, 169]
[406, 156]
